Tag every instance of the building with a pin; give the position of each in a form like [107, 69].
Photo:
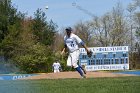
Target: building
[105, 58]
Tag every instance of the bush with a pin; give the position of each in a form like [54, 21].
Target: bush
[37, 59]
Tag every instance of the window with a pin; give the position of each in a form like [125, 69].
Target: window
[116, 61]
[83, 56]
[94, 56]
[124, 55]
[105, 61]
[92, 62]
[101, 61]
[122, 61]
[97, 62]
[109, 61]
[126, 60]
[104, 55]
[112, 61]
[114, 55]
[89, 62]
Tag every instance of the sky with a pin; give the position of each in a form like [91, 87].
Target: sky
[65, 12]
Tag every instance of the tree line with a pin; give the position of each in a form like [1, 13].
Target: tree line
[32, 44]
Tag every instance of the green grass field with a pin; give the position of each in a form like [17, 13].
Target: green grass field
[91, 85]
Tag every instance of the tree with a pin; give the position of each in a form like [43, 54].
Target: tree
[8, 17]
[98, 31]
[136, 3]
[35, 53]
[44, 31]
[85, 32]
[9, 27]
[137, 20]
[120, 32]
[111, 29]
[28, 48]
[132, 7]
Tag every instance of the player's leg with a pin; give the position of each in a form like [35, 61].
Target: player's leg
[69, 64]
[79, 70]
[83, 68]
[58, 70]
[75, 56]
[55, 71]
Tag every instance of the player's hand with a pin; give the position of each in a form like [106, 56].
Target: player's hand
[62, 52]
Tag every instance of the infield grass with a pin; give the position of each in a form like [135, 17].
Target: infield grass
[91, 85]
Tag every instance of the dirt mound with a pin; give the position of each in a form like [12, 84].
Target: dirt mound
[63, 75]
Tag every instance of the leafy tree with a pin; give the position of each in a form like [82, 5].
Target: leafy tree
[9, 27]
[29, 55]
[7, 17]
[35, 61]
[44, 31]
[34, 52]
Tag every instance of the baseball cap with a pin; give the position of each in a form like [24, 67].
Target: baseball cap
[68, 29]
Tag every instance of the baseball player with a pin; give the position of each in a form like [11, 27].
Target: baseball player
[56, 66]
[71, 42]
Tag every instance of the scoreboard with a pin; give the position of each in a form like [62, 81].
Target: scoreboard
[105, 58]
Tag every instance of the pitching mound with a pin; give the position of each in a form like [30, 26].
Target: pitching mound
[64, 75]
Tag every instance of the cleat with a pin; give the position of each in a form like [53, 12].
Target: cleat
[83, 76]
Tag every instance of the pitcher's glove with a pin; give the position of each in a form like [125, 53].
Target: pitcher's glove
[89, 53]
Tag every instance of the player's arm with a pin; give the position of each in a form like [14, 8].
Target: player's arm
[64, 49]
[79, 40]
[84, 45]
[89, 52]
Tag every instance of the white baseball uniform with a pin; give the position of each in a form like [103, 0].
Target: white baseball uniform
[56, 67]
[72, 45]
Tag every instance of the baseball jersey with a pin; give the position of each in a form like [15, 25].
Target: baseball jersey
[56, 66]
[72, 42]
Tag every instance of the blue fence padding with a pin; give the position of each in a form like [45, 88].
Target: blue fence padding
[15, 77]
[130, 72]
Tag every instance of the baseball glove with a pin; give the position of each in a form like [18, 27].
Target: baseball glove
[89, 53]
